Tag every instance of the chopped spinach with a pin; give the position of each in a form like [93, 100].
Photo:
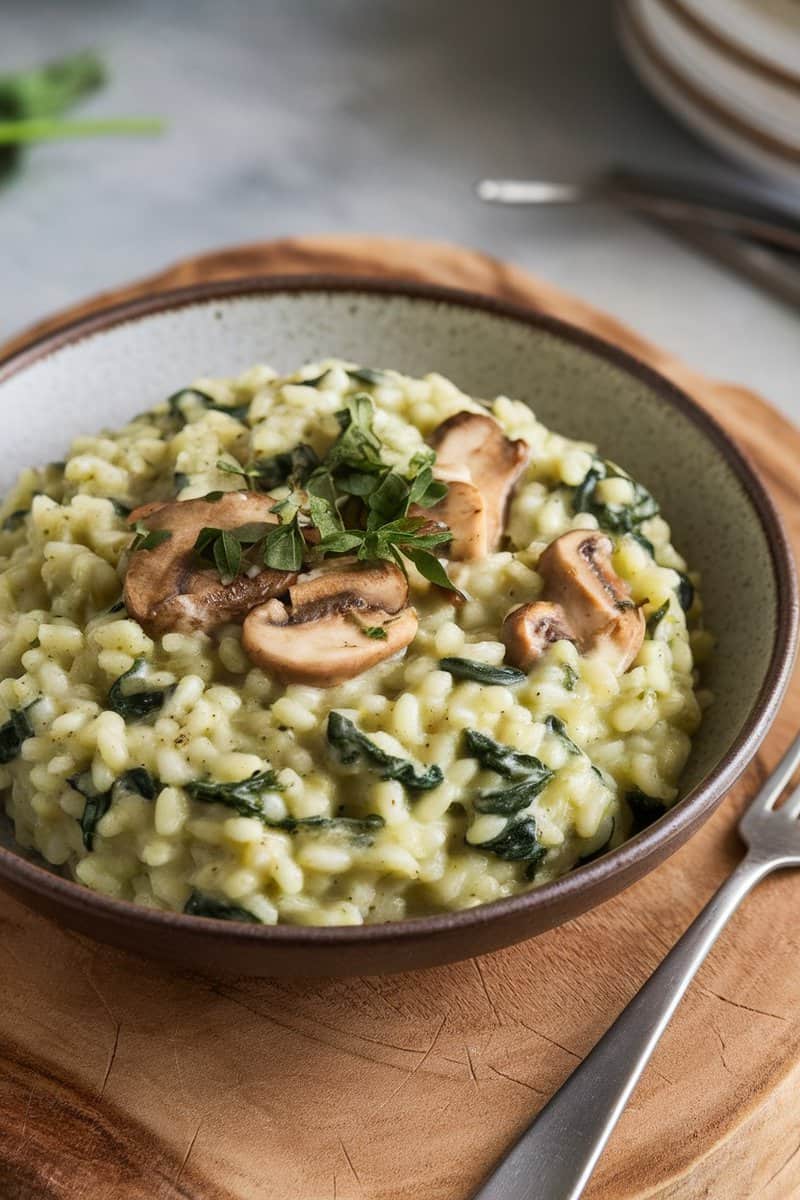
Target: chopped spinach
[14, 520]
[366, 375]
[360, 829]
[494, 756]
[529, 774]
[506, 801]
[644, 809]
[14, 732]
[97, 805]
[467, 668]
[244, 795]
[175, 404]
[518, 842]
[685, 590]
[557, 726]
[148, 539]
[352, 745]
[134, 706]
[615, 518]
[570, 677]
[655, 618]
[199, 905]
[140, 781]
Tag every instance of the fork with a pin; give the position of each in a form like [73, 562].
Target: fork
[556, 1155]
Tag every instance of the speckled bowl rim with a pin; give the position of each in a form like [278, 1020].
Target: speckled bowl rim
[631, 860]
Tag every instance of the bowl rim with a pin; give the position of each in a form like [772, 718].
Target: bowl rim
[629, 861]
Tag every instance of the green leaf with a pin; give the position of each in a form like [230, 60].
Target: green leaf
[14, 732]
[518, 842]
[504, 802]
[377, 632]
[685, 590]
[353, 746]
[244, 795]
[644, 809]
[200, 905]
[570, 677]
[140, 781]
[615, 518]
[389, 501]
[251, 533]
[148, 539]
[227, 556]
[134, 705]
[431, 569]
[293, 466]
[360, 830]
[366, 375]
[284, 548]
[425, 490]
[467, 668]
[357, 446]
[655, 618]
[557, 726]
[50, 90]
[325, 515]
[341, 543]
[97, 805]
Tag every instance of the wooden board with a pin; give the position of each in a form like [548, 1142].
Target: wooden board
[122, 1081]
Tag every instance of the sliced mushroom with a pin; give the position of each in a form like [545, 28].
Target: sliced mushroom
[528, 630]
[476, 442]
[377, 585]
[329, 638]
[578, 575]
[166, 590]
[463, 511]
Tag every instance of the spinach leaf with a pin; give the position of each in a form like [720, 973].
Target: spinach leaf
[14, 520]
[685, 590]
[14, 732]
[140, 781]
[175, 404]
[148, 539]
[655, 618]
[518, 842]
[97, 805]
[644, 809]
[467, 668]
[360, 830]
[570, 677]
[376, 632]
[290, 466]
[366, 375]
[616, 518]
[134, 705]
[199, 905]
[511, 799]
[557, 726]
[244, 795]
[494, 756]
[352, 745]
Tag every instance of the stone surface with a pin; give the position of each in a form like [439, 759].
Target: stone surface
[372, 115]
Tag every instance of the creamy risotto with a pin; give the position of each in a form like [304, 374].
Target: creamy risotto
[338, 647]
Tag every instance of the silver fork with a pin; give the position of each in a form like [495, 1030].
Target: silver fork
[555, 1157]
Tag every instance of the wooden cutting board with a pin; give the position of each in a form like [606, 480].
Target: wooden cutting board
[122, 1081]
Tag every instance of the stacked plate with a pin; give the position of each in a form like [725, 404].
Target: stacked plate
[729, 69]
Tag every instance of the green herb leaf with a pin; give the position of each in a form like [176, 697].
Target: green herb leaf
[140, 781]
[244, 795]
[14, 732]
[353, 746]
[655, 618]
[467, 668]
[135, 705]
[615, 518]
[148, 539]
[685, 590]
[494, 756]
[377, 632]
[199, 905]
[175, 403]
[557, 726]
[291, 466]
[97, 805]
[570, 677]
[360, 830]
[425, 490]
[644, 809]
[227, 556]
[431, 569]
[341, 543]
[284, 548]
[518, 842]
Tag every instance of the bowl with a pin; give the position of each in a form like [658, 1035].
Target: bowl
[95, 372]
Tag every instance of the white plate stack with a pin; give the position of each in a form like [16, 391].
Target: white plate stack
[729, 69]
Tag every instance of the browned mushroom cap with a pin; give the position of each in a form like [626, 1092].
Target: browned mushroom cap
[578, 575]
[495, 462]
[528, 630]
[376, 585]
[463, 511]
[164, 587]
[325, 642]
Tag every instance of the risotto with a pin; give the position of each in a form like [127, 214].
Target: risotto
[338, 647]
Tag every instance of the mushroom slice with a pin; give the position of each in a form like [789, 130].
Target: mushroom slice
[528, 630]
[578, 575]
[324, 643]
[165, 589]
[463, 511]
[495, 462]
[375, 585]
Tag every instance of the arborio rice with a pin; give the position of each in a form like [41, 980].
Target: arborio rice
[128, 785]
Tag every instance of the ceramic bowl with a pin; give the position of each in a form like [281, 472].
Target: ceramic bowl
[96, 372]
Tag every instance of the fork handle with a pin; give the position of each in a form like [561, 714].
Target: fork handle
[556, 1155]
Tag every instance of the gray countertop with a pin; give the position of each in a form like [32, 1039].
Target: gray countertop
[368, 115]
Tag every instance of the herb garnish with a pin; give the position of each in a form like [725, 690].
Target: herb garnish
[685, 591]
[359, 829]
[14, 732]
[199, 905]
[467, 668]
[148, 539]
[528, 775]
[352, 745]
[644, 809]
[655, 618]
[134, 705]
[570, 677]
[616, 518]
[243, 795]
[175, 404]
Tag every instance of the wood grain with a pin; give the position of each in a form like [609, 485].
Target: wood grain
[122, 1081]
